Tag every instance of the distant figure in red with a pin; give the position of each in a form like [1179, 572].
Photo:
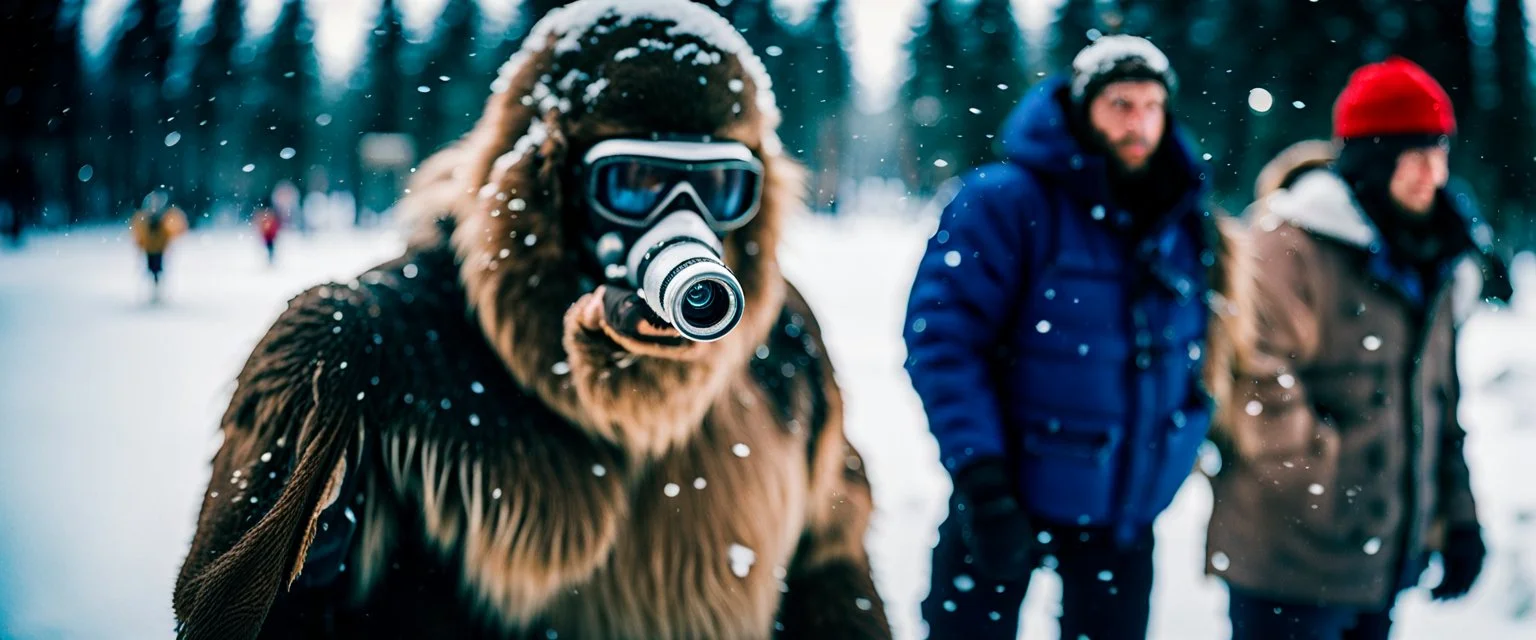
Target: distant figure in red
[269, 223]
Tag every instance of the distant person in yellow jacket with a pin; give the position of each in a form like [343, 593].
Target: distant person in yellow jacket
[155, 225]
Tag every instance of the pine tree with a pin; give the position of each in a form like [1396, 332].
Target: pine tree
[63, 112]
[386, 84]
[928, 141]
[1512, 152]
[828, 74]
[1078, 24]
[28, 31]
[992, 79]
[211, 102]
[286, 66]
[379, 109]
[450, 109]
[139, 66]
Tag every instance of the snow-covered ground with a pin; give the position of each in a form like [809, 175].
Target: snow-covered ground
[108, 409]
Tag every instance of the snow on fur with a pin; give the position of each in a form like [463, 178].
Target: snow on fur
[537, 134]
[569, 24]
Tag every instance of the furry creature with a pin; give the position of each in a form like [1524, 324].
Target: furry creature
[477, 440]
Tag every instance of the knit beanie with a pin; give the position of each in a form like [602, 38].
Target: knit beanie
[1387, 108]
[1394, 97]
[1118, 58]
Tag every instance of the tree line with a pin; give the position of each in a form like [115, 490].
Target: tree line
[219, 115]
[1254, 77]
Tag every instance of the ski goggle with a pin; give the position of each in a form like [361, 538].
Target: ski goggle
[633, 182]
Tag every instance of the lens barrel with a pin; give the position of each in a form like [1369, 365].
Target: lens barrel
[689, 287]
[677, 269]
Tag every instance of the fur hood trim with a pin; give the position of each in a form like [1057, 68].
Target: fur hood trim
[1320, 202]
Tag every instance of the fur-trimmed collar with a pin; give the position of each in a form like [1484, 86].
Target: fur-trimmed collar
[1321, 202]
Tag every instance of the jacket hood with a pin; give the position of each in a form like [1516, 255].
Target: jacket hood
[1291, 163]
[1039, 136]
[1320, 202]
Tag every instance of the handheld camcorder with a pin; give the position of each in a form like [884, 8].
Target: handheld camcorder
[659, 209]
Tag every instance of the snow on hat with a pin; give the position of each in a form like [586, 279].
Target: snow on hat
[1116, 58]
[1392, 98]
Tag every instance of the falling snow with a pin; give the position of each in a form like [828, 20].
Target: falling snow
[741, 559]
[964, 583]
[1260, 100]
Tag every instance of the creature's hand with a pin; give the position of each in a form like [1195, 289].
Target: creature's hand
[624, 318]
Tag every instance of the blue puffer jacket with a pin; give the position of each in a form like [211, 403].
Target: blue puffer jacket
[1040, 331]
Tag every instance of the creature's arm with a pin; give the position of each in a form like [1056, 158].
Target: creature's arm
[831, 591]
[295, 412]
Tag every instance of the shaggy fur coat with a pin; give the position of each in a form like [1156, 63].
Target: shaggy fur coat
[516, 462]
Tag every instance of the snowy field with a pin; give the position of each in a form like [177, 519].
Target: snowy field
[108, 408]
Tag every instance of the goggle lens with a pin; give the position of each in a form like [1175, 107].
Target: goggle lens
[632, 189]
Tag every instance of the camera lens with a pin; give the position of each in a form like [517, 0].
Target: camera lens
[705, 304]
[699, 295]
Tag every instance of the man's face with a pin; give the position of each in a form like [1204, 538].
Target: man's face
[1419, 175]
[1130, 116]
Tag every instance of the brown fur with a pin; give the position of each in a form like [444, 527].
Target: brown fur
[555, 510]
[1233, 329]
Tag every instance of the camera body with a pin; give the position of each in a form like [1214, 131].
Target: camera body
[677, 267]
[658, 210]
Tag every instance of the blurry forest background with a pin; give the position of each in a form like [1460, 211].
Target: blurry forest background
[232, 106]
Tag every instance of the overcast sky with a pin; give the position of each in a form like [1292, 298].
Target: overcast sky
[879, 28]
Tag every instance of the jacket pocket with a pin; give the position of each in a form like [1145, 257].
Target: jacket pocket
[1069, 469]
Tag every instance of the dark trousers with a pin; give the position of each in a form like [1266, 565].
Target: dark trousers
[1257, 618]
[1106, 588]
[156, 264]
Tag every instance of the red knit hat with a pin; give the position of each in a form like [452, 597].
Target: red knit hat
[1392, 97]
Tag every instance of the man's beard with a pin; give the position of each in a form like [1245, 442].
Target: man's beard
[1117, 165]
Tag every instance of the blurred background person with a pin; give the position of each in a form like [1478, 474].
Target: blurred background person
[1346, 468]
[1057, 336]
[268, 223]
[156, 224]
